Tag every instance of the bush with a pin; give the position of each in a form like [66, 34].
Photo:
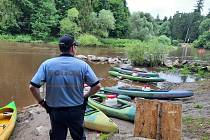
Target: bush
[203, 40]
[87, 39]
[149, 52]
[175, 42]
[164, 39]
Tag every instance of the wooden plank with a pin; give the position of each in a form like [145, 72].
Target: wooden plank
[146, 118]
[170, 121]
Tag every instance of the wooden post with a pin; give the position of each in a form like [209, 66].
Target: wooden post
[170, 121]
[146, 118]
[158, 120]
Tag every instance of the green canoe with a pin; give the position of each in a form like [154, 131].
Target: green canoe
[123, 110]
[8, 115]
[136, 78]
[97, 120]
[138, 73]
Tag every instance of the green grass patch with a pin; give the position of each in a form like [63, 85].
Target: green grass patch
[104, 136]
[19, 38]
[185, 71]
[198, 106]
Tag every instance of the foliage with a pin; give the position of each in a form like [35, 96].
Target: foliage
[102, 18]
[9, 14]
[117, 42]
[185, 71]
[175, 42]
[204, 26]
[141, 26]
[101, 24]
[69, 24]
[203, 40]
[151, 52]
[180, 26]
[64, 5]
[164, 40]
[18, 38]
[87, 39]
[165, 29]
[194, 27]
[43, 19]
[121, 14]
[198, 106]
[104, 136]
[85, 9]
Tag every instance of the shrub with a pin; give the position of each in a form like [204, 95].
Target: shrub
[164, 39]
[87, 39]
[203, 40]
[175, 42]
[149, 52]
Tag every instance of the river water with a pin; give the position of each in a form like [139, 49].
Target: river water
[19, 62]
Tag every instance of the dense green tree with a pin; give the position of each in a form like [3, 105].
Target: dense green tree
[165, 29]
[196, 20]
[27, 8]
[180, 26]
[63, 5]
[101, 4]
[121, 15]
[141, 26]
[102, 23]
[9, 14]
[69, 25]
[203, 40]
[106, 22]
[44, 18]
[199, 6]
[204, 26]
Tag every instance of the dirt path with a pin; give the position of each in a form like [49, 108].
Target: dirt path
[33, 122]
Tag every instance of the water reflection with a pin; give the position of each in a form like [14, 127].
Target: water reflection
[176, 78]
[191, 53]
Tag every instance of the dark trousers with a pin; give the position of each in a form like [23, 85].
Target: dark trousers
[62, 119]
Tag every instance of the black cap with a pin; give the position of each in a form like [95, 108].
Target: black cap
[67, 41]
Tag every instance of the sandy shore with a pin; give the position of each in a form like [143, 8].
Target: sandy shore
[33, 121]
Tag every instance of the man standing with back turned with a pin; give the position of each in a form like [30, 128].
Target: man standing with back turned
[65, 102]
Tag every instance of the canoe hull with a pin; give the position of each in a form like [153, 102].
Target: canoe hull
[97, 120]
[125, 113]
[130, 72]
[136, 78]
[158, 94]
[10, 124]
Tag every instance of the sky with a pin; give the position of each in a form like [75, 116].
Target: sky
[165, 7]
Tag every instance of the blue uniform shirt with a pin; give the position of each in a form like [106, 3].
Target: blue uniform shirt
[65, 77]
